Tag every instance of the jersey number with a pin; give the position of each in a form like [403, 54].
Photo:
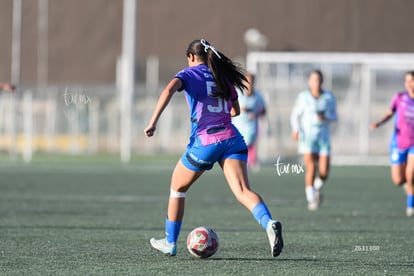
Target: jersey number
[221, 103]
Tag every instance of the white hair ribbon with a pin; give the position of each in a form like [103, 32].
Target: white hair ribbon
[206, 47]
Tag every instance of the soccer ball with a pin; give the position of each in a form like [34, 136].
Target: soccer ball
[202, 242]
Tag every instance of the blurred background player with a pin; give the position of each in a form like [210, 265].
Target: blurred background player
[252, 107]
[209, 85]
[402, 141]
[314, 110]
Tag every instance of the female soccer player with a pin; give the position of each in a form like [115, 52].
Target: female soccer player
[402, 141]
[251, 108]
[209, 85]
[314, 109]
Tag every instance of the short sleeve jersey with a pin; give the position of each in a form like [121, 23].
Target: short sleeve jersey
[305, 114]
[253, 103]
[403, 106]
[206, 110]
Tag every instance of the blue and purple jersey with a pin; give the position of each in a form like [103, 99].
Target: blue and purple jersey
[403, 106]
[210, 116]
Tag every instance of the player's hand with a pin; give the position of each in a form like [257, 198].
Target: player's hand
[321, 115]
[295, 135]
[8, 86]
[252, 115]
[149, 130]
[373, 126]
[11, 87]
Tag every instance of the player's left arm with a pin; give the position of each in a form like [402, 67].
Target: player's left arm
[331, 114]
[261, 105]
[235, 108]
[235, 105]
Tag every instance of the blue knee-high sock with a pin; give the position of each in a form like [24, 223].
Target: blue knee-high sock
[262, 214]
[172, 230]
[410, 201]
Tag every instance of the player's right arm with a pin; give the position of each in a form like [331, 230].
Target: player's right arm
[295, 118]
[384, 119]
[165, 97]
[390, 112]
[7, 86]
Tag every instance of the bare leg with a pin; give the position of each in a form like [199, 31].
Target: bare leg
[409, 174]
[398, 173]
[324, 166]
[309, 159]
[236, 175]
[181, 180]
[312, 193]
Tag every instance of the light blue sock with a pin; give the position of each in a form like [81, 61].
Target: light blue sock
[262, 214]
[410, 201]
[172, 230]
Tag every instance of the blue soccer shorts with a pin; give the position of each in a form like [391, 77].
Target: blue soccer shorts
[198, 157]
[399, 156]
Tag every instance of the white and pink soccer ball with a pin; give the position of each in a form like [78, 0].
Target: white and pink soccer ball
[202, 242]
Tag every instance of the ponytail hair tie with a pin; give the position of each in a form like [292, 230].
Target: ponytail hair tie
[207, 46]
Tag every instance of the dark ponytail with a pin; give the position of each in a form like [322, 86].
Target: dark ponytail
[225, 71]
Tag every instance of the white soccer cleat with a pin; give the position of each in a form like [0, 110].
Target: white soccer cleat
[274, 233]
[318, 198]
[318, 183]
[410, 212]
[313, 206]
[313, 198]
[169, 249]
[317, 186]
